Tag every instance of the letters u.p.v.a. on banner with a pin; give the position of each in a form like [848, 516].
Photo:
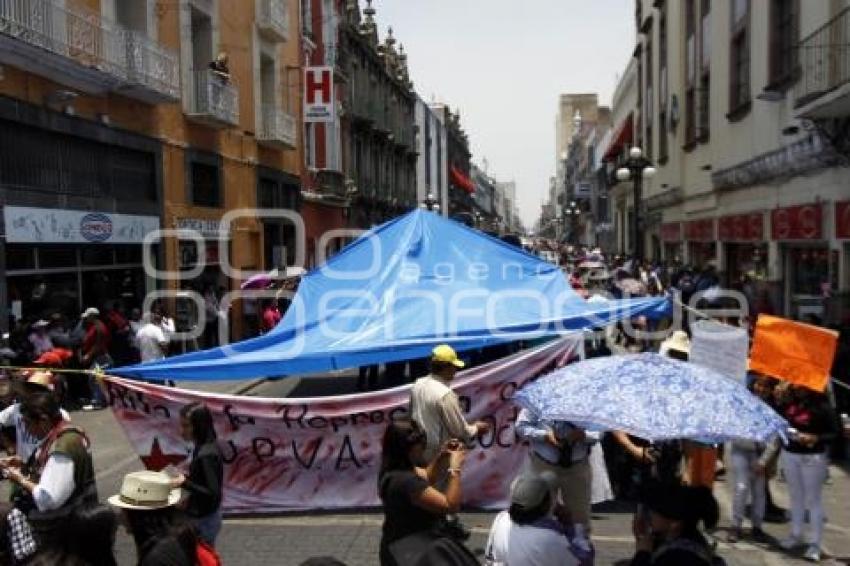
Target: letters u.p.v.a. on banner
[324, 453]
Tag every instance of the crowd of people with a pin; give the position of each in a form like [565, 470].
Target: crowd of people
[175, 518]
[672, 482]
[98, 341]
[54, 516]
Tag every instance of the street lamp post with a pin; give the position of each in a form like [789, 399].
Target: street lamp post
[637, 168]
[572, 212]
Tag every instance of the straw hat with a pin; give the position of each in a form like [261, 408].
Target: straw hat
[677, 342]
[146, 491]
[39, 381]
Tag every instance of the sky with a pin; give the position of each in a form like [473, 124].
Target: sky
[504, 63]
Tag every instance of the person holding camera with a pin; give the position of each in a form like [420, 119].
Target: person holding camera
[562, 450]
[414, 507]
[58, 477]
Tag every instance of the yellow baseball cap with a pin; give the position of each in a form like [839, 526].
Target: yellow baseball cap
[445, 354]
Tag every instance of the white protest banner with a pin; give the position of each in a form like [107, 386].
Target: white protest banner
[720, 347]
[324, 453]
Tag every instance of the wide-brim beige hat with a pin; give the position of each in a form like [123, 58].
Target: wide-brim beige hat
[146, 491]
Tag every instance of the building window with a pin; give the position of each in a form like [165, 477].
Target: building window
[705, 71]
[704, 107]
[205, 184]
[690, 73]
[307, 18]
[309, 146]
[739, 72]
[55, 164]
[649, 110]
[663, 95]
[784, 31]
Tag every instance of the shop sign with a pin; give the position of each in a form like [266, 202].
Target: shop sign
[26, 225]
[671, 232]
[700, 230]
[797, 223]
[206, 227]
[741, 228]
[319, 95]
[842, 220]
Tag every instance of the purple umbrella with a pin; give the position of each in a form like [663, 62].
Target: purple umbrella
[258, 281]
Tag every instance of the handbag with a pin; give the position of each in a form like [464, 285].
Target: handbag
[428, 548]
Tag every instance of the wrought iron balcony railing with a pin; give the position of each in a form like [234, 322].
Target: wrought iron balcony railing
[273, 19]
[214, 99]
[76, 35]
[824, 59]
[153, 68]
[277, 127]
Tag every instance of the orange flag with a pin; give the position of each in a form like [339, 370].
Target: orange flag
[792, 351]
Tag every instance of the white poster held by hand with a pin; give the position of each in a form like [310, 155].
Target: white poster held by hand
[720, 347]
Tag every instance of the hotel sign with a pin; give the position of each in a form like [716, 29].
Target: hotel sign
[319, 101]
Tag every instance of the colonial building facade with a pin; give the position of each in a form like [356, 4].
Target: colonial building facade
[114, 124]
[381, 128]
[740, 106]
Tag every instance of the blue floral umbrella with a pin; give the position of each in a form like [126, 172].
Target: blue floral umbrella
[652, 397]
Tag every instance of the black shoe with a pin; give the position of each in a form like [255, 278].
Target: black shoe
[759, 535]
[733, 536]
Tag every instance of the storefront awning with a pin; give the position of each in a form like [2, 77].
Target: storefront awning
[621, 138]
[460, 180]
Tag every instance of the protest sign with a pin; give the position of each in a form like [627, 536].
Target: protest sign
[792, 351]
[720, 347]
[324, 453]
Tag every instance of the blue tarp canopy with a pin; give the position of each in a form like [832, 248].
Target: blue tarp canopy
[396, 292]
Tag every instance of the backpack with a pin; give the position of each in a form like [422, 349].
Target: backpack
[206, 555]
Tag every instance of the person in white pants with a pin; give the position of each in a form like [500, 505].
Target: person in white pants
[804, 462]
[749, 468]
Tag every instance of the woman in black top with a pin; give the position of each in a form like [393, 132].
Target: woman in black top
[206, 472]
[670, 536]
[406, 485]
[804, 463]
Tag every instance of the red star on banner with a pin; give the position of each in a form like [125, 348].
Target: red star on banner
[157, 460]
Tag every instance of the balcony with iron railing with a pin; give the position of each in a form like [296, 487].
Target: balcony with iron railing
[72, 46]
[273, 19]
[277, 128]
[823, 90]
[332, 184]
[214, 100]
[153, 72]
